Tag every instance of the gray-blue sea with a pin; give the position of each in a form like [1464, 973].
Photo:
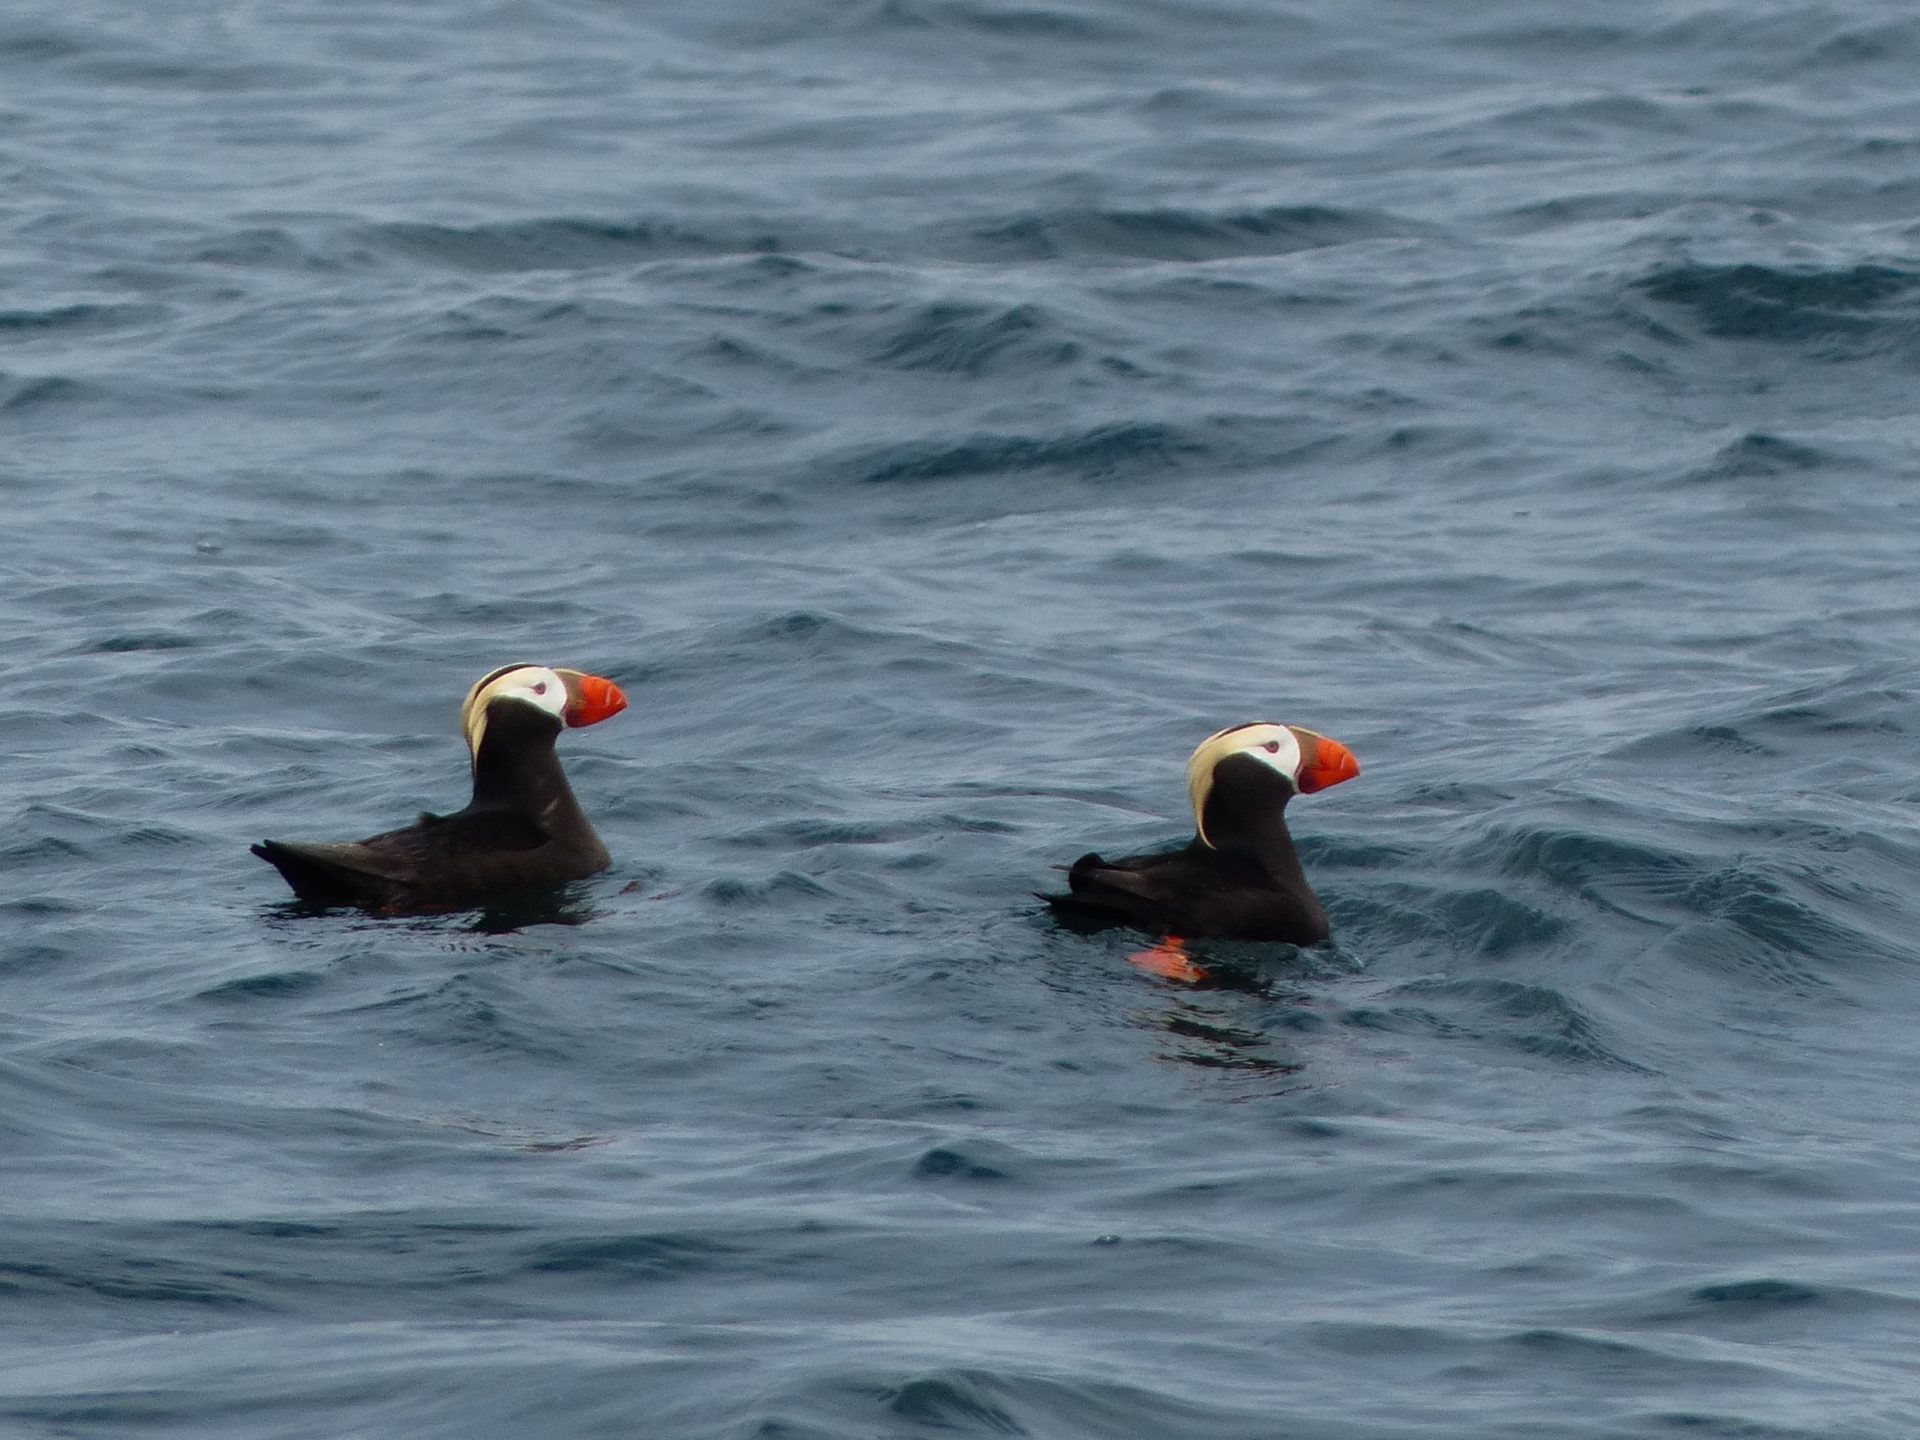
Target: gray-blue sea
[938, 416]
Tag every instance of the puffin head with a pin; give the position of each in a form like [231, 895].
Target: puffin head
[567, 697]
[1304, 761]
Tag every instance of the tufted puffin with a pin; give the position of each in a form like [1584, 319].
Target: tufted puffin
[1240, 877]
[522, 829]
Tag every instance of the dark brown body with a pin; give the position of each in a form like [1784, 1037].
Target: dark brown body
[522, 830]
[1247, 886]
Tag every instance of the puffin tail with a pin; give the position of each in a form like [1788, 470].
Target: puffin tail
[315, 873]
[1102, 894]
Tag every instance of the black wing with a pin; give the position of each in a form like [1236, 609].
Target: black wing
[1146, 891]
[449, 853]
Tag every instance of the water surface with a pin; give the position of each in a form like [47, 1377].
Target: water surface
[938, 417]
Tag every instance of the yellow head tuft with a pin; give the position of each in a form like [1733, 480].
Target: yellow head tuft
[1276, 746]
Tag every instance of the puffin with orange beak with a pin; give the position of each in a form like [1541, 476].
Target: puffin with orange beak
[1240, 877]
[523, 829]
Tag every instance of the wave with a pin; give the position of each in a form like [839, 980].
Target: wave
[576, 243]
[1183, 235]
[975, 339]
[1095, 452]
[1531, 1019]
[1837, 312]
[1758, 455]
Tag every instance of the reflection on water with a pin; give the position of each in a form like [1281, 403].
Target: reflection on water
[566, 906]
[501, 915]
[1204, 1040]
[1207, 1039]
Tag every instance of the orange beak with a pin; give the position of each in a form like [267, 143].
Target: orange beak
[1325, 763]
[594, 700]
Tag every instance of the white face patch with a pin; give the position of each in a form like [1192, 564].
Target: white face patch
[1275, 746]
[535, 684]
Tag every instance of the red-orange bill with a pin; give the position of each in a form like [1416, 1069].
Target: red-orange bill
[1327, 763]
[594, 700]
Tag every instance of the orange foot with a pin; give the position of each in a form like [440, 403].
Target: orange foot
[1169, 960]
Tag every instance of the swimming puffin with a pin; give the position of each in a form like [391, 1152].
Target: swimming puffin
[522, 829]
[1240, 877]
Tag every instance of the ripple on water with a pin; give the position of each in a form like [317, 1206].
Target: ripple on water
[1006, 1400]
[1506, 1014]
[1453, 919]
[575, 243]
[1583, 860]
[612, 1259]
[29, 394]
[1764, 1307]
[1096, 452]
[1180, 234]
[1838, 312]
[1744, 920]
[730, 892]
[1758, 455]
[974, 338]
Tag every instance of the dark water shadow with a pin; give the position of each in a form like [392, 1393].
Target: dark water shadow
[502, 915]
[1232, 1007]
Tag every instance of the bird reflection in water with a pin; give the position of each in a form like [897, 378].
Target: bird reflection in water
[1205, 1039]
[501, 915]
[507, 913]
[1208, 1043]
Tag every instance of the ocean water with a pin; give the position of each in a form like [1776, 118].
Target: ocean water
[938, 415]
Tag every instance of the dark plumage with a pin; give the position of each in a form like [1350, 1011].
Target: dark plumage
[1239, 878]
[522, 829]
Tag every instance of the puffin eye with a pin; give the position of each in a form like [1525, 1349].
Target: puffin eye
[541, 688]
[1272, 747]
